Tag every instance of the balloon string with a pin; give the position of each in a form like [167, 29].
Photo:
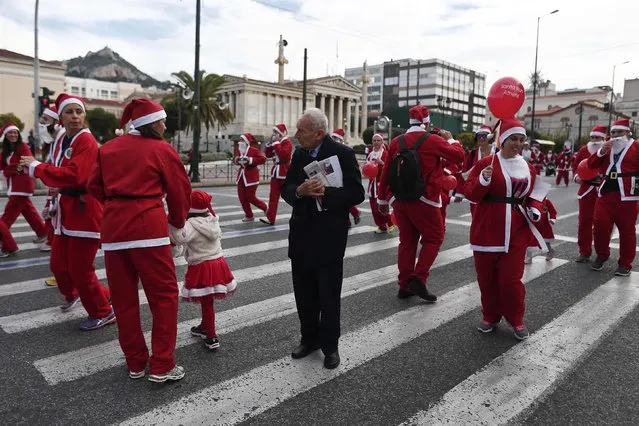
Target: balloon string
[497, 133]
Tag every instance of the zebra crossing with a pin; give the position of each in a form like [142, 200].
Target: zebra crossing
[403, 361]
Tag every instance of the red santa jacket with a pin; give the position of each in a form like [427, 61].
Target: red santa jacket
[431, 151]
[249, 173]
[564, 161]
[538, 159]
[627, 165]
[380, 157]
[583, 154]
[282, 151]
[18, 183]
[490, 230]
[471, 158]
[548, 219]
[131, 176]
[79, 214]
[450, 169]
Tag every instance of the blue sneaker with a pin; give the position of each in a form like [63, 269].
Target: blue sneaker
[95, 323]
[66, 306]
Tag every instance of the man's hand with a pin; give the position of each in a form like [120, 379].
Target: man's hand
[606, 147]
[487, 173]
[26, 161]
[384, 209]
[311, 188]
[445, 134]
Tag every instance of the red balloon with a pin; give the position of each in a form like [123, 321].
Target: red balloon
[584, 172]
[393, 218]
[505, 97]
[448, 183]
[370, 170]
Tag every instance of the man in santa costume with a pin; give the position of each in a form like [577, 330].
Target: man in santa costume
[249, 157]
[378, 155]
[420, 218]
[618, 162]
[502, 228]
[338, 136]
[564, 164]
[132, 176]
[280, 149]
[537, 158]
[587, 193]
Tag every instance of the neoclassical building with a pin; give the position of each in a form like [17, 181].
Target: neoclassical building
[258, 105]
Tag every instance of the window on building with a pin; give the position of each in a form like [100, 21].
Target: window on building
[412, 92]
[114, 95]
[565, 121]
[104, 94]
[401, 103]
[84, 91]
[391, 81]
[403, 74]
[75, 90]
[402, 93]
[634, 113]
[529, 109]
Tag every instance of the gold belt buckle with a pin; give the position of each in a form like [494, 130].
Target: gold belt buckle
[613, 175]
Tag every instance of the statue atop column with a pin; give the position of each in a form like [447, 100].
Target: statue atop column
[281, 60]
[365, 81]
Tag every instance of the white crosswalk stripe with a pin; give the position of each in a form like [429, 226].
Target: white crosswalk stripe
[52, 358]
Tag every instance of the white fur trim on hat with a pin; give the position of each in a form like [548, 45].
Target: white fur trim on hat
[510, 132]
[414, 121]
[338, 136]
[70, 101]
[426, 119]
[8, 129]
[242, 137]
[277, 130]
[598, 134]
[50, 113]
[149, 118]
[618, 127]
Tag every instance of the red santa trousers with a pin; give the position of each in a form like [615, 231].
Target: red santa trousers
[499, 277]
[354, 211]
[415, 220]
[72, 265]
[154, 267]
[586, 217]
[274, 199]
[18, 205]
[208, 315]
[7, 243]
[247, 197]
[609, 211]
[383, 221]
[48, 226]
[562, 174]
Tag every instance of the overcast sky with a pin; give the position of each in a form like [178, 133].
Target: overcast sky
[578, 46]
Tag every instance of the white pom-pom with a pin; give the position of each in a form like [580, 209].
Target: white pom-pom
[119, 132]
[490, 136]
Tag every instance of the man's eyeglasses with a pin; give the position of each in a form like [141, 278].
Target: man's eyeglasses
[482, 136]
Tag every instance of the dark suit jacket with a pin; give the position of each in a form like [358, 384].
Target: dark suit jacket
[319, 238]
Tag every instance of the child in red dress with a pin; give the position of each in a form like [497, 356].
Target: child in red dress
[545, 224]
[208, 276]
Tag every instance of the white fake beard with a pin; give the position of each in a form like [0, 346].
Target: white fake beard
[618, 144]
[44, 133]
[243, 146]
[515, 167]
[594, 146]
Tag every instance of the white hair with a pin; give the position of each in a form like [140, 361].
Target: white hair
[318, 119]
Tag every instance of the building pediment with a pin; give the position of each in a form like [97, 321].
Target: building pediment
[336, 82]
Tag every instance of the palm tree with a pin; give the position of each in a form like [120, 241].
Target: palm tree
[210, 111]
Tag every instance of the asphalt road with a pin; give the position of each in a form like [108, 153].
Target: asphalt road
[402, 361]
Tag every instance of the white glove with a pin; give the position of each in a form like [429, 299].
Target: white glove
[177, 251]
[45, 213]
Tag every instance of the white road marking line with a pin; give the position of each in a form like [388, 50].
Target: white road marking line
[254, 392]
[38, 283]
[466, 215]
[90, 360]
[567, 215]
[527, 373]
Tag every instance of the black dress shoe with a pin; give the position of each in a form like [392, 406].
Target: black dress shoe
[404, 293]
[331, 360]
[420, 290]
[303, 350]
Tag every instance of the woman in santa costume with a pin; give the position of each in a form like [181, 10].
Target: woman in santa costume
[338, 136]
[133, 174]
[280, 149]
[249, 158]
[483, 136]
[618, 162]
[501, 229]
[208, 276]
[20, 185]
[587, 193]
[378, 155]
[77, 221]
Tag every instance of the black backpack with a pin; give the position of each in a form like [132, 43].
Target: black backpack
[405, 171]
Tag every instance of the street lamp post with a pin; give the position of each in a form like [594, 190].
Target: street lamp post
[195, 162]
[535, 77]
[36, 79]
[612, 92]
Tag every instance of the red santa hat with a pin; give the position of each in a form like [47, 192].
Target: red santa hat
[599, 131]
[623, 124]
[52, 112]
[248, 138]
[140, 112]
[509, 127]
[484, 129]
[281, 129]
[201, 202]
[64, 100]
[418, 114]
[339, 134]
[7, 128]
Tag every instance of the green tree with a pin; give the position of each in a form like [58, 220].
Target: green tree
[11, 118]
[467, 139]
[102, 124]
[210, 111]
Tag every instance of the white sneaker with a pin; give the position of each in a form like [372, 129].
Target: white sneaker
[40, 240]
[45, 247]
[176, 374]
[248, 219]
[550, 255]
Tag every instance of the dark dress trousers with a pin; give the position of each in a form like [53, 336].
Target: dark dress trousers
[317, 242]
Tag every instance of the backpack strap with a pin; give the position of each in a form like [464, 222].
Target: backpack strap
[419, 142]
[402, 143]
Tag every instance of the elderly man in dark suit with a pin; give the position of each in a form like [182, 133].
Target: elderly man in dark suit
[317, 238]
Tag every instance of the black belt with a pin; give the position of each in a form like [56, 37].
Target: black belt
[130, 197]
[507, 200]
[615, 175]
[282, 162]
[74, 192]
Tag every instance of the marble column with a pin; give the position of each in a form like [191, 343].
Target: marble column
[331, 113]
[348, 118]
[340, 113]
[323, 103]
[356, 135]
